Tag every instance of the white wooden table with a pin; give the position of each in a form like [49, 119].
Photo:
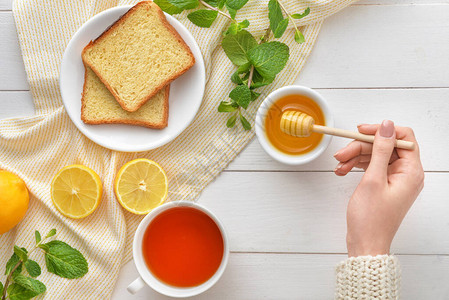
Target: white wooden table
[374, 60]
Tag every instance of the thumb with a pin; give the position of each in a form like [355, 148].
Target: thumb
[382, 149]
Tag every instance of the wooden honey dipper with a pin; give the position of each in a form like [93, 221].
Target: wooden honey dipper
[300, 124]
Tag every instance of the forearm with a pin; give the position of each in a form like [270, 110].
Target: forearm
[367, 277]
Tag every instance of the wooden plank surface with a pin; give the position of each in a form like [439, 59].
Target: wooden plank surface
[6, 4]
[361, 46]
[375, 46]
[12, 71]
[15, 104]
[305, 212]
[298, 276]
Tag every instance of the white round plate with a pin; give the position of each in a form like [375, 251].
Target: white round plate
[186, 92]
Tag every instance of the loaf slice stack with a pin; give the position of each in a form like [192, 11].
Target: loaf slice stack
[100, 107]
[138, 56]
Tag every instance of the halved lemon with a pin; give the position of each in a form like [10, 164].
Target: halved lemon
[76, 191]
[141, 185]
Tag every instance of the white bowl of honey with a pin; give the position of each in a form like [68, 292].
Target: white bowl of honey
[285, 148]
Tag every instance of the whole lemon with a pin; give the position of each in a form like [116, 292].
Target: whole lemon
[14, 200]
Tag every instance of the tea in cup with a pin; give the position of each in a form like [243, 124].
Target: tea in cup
[180, 250]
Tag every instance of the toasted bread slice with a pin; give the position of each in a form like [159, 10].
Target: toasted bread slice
[98, 106]
[138, 55]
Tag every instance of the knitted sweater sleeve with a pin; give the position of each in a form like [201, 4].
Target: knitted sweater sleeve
[367, 277]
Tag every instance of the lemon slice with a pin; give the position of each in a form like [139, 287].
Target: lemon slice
[76, 191]
[141, 185]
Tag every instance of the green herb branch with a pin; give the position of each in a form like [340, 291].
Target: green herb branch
[22, 254]
[299, 37]
[257, 62]
[240, 97]
[60, 258]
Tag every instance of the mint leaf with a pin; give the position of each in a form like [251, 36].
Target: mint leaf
[277, 22]
[259, 81]
[235, 77]
[232, 29]
[168, 7]
[274, 14]
[203, 17]
[51, 233]
[246, 125]
[213, 3]
[240, 80]
[299, 37]
[243, 24]
[232, 12]
[221, 3]
[30, 284]
[17, 292]
[279, 31]
[21, 253]
[185, 4]
[244, 68]
[226, 107]
[236, 46]
[254, 95]
[65, 261]
[269, 58]
[236, 27]
[32, 268]
[236, 4]
[44, 247]
[231, 121]
[37, 235]
[12, 262]
[241, 95]
[300, 16]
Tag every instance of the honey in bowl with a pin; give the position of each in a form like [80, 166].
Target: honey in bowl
[183, 247]
[284, 142]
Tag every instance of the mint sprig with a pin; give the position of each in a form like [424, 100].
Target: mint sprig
[258, 60]
[257, 63]
[277, 22]
[61, 259]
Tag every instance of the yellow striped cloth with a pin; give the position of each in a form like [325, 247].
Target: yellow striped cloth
[36, 147]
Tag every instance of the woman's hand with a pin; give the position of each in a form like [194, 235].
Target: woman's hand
[392, 181]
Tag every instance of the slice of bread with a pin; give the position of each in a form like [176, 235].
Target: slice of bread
[98, 106]
[138, 55]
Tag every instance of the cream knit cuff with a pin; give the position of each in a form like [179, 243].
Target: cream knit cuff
[368, 277]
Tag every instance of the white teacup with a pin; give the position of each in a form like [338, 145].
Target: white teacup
[146, 277]
[262, 112]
